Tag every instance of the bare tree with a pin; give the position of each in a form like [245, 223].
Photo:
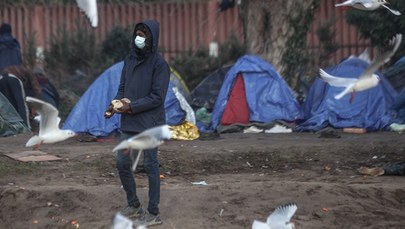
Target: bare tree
[276, 30]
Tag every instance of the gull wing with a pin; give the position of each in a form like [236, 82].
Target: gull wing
[383, 58]
[89, 7]
[395, 12]
[147, 139]
[49, 120]
[282, 215]
[121, 222]
[346, 3]
[158, 132]
[138, 142]
[336, 81]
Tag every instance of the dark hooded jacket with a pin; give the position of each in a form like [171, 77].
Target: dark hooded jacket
[144, 80]
[10, 51]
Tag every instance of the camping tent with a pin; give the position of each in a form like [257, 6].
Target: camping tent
[206, 92]
[11, 122]
[395, 74]
[253, 91]
[87, 116]
[370, 109]
[178, 81]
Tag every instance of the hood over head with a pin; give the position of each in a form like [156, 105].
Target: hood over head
[151, 29]
[5, 29]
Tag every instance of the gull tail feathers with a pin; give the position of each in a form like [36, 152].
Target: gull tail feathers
[123, 145]
[34, 140]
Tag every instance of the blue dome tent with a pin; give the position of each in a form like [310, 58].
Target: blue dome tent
[260, 89]
[371, 109]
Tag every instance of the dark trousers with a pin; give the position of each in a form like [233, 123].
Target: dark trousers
[151, 165]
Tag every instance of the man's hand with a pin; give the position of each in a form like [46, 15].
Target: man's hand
[109, 112]
[125, 108]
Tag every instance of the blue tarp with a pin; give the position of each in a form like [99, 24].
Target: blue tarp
[395, 74]
[268, 96]
[87, 116]
[371, 109]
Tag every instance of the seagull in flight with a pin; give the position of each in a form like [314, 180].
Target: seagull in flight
[279, 219]
[148, 139]
[368, 5]
[368, 79]
[49, 120]
[89, 7]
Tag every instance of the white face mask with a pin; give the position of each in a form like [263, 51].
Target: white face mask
[140, 42]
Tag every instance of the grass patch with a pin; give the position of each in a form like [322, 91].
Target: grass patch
[10, 167]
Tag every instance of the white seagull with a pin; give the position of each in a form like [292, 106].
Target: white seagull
[368, 79]
[279, 219]
[89, 7]
[122, 222]
[49, 131]
[368, 5]
[148, 139]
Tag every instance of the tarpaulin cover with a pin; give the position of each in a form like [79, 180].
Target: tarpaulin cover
[87, 116]
[371, 109]
[11, 122]
[267, 94]
[395, 74]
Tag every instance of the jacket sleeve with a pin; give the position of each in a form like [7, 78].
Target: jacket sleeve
[157, 95]
[121, 86]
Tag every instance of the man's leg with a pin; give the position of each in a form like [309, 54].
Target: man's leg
[124, 166]
[151, 165]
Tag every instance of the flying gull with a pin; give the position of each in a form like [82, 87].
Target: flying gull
[279, 219]
[49, 131]
[368, 79]
[368, 5]
[148, 139]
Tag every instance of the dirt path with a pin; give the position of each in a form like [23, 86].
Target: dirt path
[248, 175]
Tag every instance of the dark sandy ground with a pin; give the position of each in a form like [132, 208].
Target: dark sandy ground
[248, 175]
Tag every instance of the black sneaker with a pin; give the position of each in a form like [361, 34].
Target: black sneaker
[148, 219]
[133, 212]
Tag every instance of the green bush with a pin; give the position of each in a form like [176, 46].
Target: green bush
[116, 44]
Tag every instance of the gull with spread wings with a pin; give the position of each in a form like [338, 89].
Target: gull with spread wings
[368, 79]
[148, 139]
[279, 219]
[49, 120]
[368, 5]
